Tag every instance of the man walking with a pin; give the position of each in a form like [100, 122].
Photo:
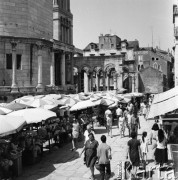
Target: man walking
[135, 123]
[104, 157]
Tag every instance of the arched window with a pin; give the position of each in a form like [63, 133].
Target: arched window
[155, 65]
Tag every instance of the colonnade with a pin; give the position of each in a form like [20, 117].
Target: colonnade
[40, 86]
[92, 81]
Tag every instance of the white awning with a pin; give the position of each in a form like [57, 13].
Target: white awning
[163, 103]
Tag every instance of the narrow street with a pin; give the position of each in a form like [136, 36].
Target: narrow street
[66, 165]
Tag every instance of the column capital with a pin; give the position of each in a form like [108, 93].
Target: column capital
[14, 44]
[39, 45]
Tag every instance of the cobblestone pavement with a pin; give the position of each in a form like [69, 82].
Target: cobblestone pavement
[63, 164]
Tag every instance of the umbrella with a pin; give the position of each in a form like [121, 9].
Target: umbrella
[24, 99]
[67, 101]
[10, 124]
[95, 97]
[4, 110]
[80, 97]
[52, 96]
[121, 90]
[106, 102]
[17, 106]
[137, 94]
[33, 115]
[125, 100]
[39, 102]
[84, 105]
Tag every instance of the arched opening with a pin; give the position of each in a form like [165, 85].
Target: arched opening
[111, 77]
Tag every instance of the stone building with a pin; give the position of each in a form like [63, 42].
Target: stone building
[175, 22]
[36, 45]
[155, 70]
[107, 65]
[113, 64]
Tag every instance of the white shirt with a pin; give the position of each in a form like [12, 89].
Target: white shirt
[119, 111]
[108, 114]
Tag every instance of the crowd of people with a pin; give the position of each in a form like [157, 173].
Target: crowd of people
[127, 117]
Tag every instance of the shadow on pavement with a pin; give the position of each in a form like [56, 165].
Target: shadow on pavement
[100, 131]
[49, 163]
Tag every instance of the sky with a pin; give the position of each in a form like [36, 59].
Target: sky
[143, 20]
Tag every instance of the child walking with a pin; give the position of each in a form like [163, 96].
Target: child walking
[144, 146]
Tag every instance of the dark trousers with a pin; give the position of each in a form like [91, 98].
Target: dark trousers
[103, 168]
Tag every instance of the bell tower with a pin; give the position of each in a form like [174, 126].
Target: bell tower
[62, 21]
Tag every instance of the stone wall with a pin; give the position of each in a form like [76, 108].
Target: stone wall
[23, 75]
[26, 18]
[151, 80]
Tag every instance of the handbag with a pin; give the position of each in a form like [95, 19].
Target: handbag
[97, 165]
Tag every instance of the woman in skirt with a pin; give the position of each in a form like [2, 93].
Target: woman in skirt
[161, 155]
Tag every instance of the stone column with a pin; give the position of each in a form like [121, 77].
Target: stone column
[136, 82]
[97, 82]
[40, 87]
[63, 69]
[86, 82]
[91, 82]
[71, 34]
[133, 82]
[115, 80]
[14, 67]
[104, 83]
[52, 70]
[72, 65]
[119, 80]
[79, 81]
[107, 82]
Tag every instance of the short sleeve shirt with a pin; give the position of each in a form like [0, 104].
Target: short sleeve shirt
[119, 112]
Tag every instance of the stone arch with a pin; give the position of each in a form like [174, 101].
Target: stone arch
[86, 68]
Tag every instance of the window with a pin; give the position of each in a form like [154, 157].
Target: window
[155, 65]
[19, 65]
[140, 58]
[92, 46]
[92, 54]
[8, 61]
[123, 45]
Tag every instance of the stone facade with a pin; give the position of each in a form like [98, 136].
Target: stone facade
[175, 22]
[32, 57]
[26, 18]
[159, 60]
[107, 65]
[151, 80]
[136, 69]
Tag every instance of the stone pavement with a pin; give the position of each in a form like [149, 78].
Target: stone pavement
[62, 164]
